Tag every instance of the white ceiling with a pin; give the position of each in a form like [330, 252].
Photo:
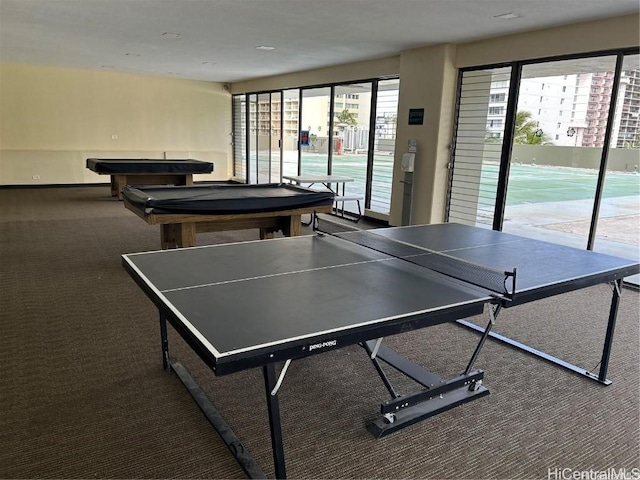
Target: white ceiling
[306, 34]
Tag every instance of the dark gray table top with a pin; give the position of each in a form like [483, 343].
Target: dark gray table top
[241, 298]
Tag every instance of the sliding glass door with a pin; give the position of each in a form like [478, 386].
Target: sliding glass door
[290, 131]
[347, 130]
[551, 150]
[265, 128]
[262, 144]
[618, 220]
[557, 146]
[315, 133]
[349, 159]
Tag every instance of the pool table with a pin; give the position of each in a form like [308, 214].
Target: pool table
[144, 171]
[184, 211]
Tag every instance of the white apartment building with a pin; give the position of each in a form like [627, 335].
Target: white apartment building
[572, 110]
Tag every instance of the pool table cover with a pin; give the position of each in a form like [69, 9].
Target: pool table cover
[121, 166]
[226, 198]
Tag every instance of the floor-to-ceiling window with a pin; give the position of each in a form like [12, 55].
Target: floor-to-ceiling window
[252, 143]
[316, 138]
[262, 145]
[257, 131]
[478, 145]
[239, 105]
[385, 126]
[275, 137]
[549, 149]
[351, 124]
[618, 217]
[290, 131]
[557, 148]
[346, 130]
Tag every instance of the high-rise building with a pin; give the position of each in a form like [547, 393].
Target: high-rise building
[626, 129]
[573, 109]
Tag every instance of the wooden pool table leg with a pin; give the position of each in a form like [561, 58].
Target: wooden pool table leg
[293, 228]
[177, 235]
[117, 182]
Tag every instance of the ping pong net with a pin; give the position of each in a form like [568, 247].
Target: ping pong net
[500, 283]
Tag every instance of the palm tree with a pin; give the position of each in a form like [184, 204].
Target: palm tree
[635, 143]
[346, 117]
[526, 131]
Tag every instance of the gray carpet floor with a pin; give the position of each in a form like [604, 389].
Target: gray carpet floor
[83, 393]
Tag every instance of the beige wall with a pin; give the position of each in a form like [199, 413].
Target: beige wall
[52, 119]
[427, 80]
[612, 33]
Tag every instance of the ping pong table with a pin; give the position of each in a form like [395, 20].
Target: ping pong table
[355, 288]
[145, 171]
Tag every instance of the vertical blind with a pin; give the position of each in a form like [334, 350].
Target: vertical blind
[239, 137]
[477, 144]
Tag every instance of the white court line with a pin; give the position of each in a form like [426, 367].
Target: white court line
[176, 312]
[258, 277]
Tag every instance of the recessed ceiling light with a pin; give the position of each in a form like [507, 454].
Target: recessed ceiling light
[265, 47]
[508, 16]
[171, 35]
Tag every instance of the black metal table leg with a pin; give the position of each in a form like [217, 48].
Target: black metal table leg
[269, 372]
[217, 421]
[601, 377]
[495, 309]
[611, 325]
[166, 363]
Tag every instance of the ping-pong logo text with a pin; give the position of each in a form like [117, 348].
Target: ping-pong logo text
[330, 343]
